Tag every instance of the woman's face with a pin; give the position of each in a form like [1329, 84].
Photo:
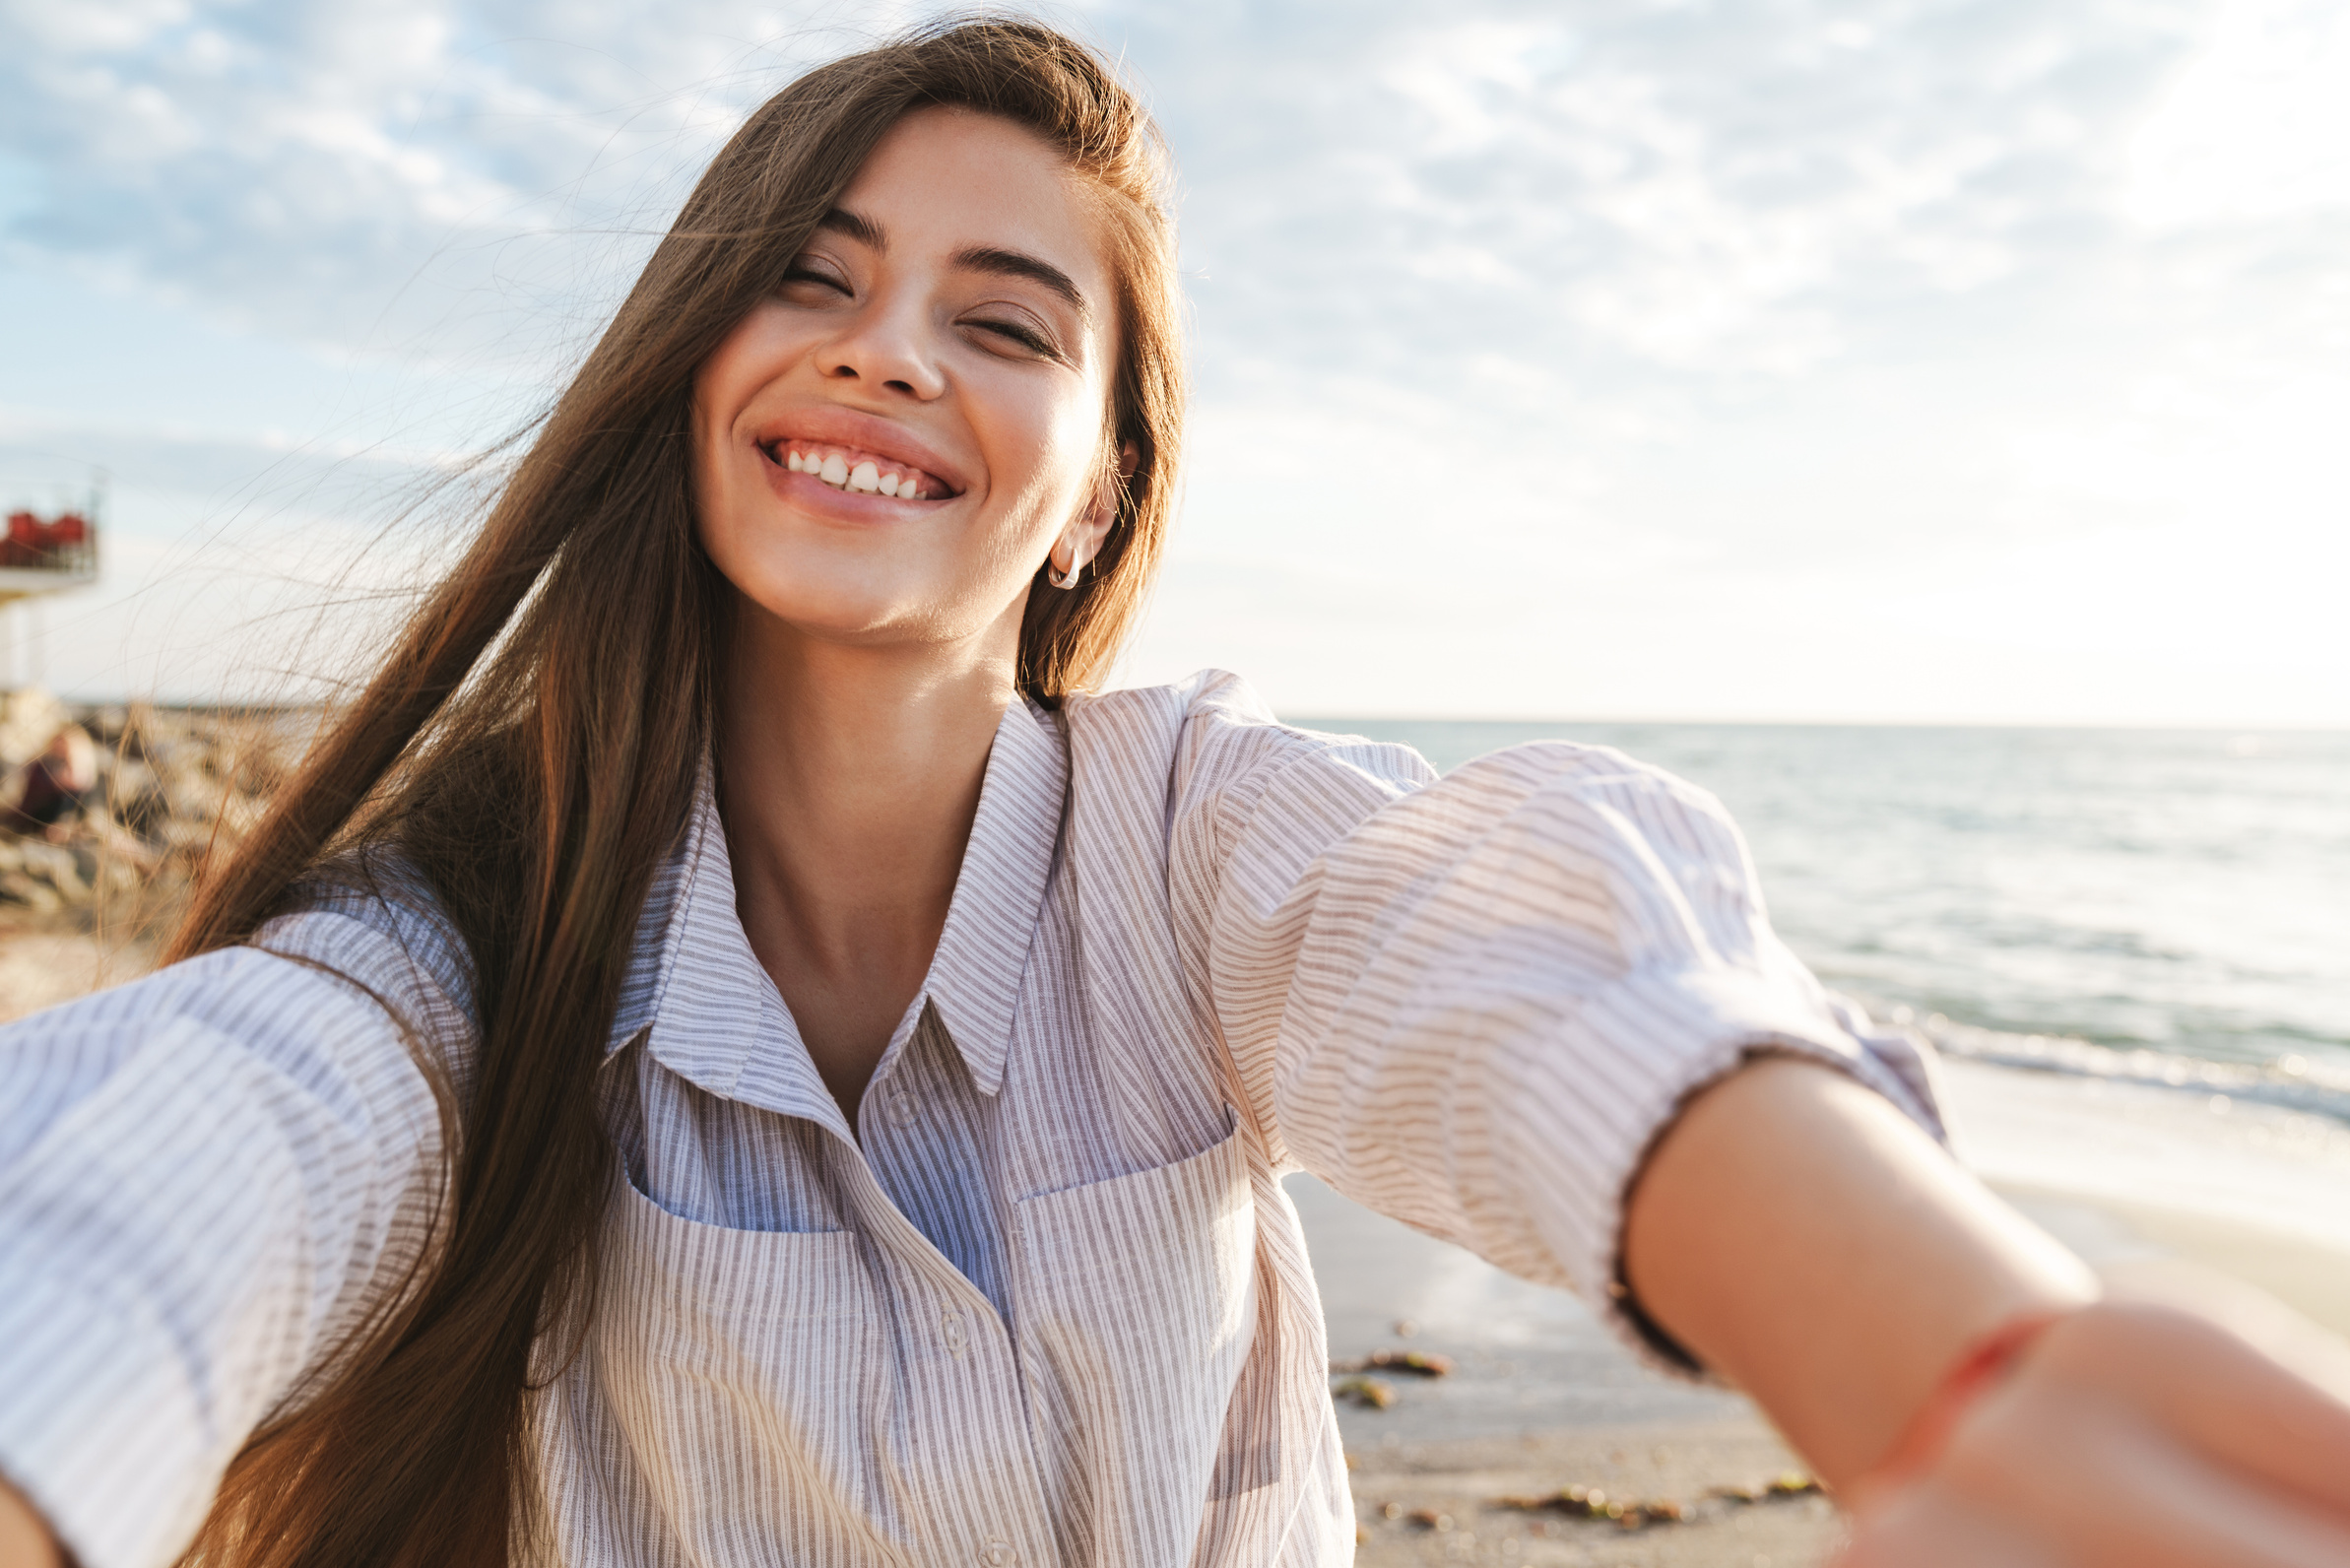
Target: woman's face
[948, 334]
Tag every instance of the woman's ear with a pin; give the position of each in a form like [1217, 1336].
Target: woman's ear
[1081, 541]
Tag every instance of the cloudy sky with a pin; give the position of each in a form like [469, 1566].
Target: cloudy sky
[1885, 360]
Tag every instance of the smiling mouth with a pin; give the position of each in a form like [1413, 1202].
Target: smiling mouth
[860, 473]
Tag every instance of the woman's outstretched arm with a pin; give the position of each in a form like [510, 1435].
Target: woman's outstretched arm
[1798, 1235]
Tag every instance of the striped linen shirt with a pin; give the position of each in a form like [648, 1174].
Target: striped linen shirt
[1046, 1302]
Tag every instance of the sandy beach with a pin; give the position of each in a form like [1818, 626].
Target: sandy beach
[1435, 1502]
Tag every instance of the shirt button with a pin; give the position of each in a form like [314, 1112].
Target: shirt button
[951, 1324]
[901, 1108]
[998, 1554]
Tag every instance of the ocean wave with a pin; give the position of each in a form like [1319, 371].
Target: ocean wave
[2293, 1082]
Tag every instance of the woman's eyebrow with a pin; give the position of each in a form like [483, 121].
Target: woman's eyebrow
[1020, 264]
[856, 226]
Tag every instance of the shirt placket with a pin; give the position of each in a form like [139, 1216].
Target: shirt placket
[968, 1453]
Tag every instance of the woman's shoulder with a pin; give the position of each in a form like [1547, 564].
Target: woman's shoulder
[1215, 729]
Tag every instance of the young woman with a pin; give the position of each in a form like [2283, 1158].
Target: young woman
[729, 1054]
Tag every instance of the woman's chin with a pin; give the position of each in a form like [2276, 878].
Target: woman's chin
[865, 587]
[848, 604]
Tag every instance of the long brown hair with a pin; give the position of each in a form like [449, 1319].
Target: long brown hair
[531, 745]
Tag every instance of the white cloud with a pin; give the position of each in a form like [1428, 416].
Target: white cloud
[2256, 127]
[424, 181]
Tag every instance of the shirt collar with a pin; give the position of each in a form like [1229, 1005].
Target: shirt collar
[999, 895]
[714, 1014]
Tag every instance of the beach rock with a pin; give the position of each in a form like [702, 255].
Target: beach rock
[106, 814]
[1370, 1393]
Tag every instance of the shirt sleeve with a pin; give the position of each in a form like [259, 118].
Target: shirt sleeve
[1474, 1002]
[209, 1180]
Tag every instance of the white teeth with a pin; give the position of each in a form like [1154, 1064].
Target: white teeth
[866, 479]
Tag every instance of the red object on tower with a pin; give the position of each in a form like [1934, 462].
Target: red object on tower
[58, 544]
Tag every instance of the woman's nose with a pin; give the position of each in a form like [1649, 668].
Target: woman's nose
[885, 351]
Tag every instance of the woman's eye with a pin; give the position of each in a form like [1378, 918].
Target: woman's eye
[1019, 332]
[809, 275]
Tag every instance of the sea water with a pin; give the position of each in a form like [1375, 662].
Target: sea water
[2132, 948]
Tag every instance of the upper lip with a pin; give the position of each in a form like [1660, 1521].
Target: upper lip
[834, 426]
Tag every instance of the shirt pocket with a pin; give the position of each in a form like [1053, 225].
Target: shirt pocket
[1137, 1300]
[737, 1372]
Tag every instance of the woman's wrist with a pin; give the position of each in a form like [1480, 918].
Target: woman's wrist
[1808, 1242]
[1977, 1371]
[2200, 1424]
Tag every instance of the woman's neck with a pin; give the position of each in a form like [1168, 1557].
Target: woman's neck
[848, 781]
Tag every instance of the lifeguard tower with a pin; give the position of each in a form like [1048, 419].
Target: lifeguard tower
[41, 556]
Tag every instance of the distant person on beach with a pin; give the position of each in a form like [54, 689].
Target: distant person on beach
[38, 797]
[732, 1051]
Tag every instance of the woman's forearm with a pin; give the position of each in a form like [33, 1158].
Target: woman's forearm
[1800, 1236]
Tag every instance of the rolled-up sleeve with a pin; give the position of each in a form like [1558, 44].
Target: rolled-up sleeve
[209, 1180]
[1474, 1002]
